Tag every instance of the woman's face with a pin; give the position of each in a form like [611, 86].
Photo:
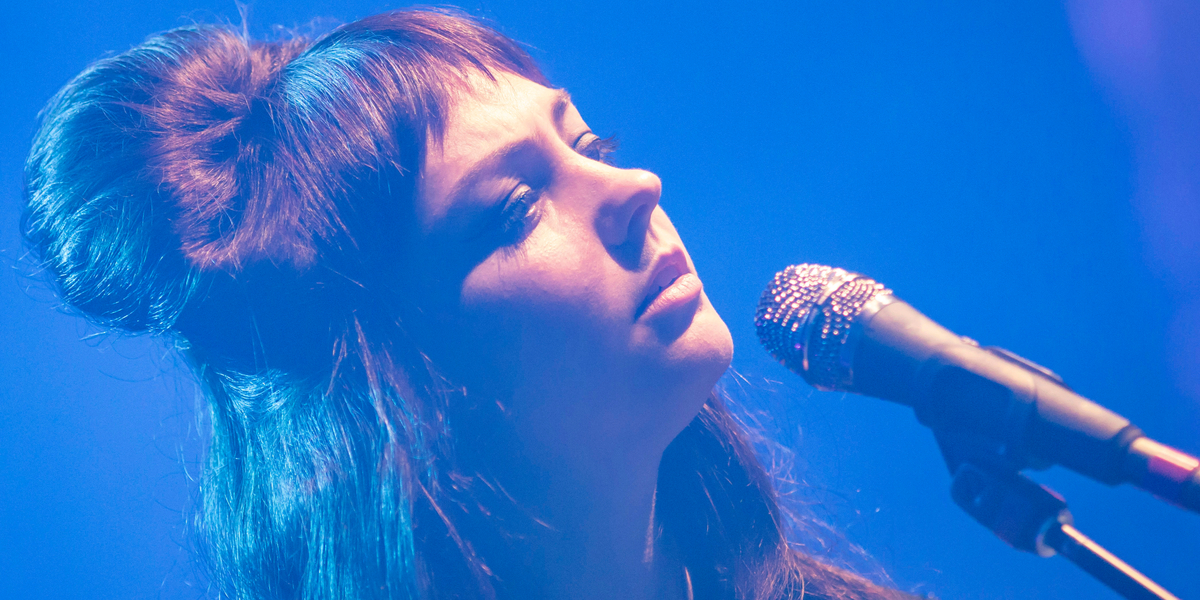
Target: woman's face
[554, 282]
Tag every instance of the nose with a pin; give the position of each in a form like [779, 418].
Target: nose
[623, 217]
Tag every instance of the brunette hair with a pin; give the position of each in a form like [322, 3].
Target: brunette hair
[240, 197]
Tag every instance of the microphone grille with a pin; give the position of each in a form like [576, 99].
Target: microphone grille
[804, 320]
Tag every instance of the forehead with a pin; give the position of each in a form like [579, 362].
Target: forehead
[489, 111]
[484, 118]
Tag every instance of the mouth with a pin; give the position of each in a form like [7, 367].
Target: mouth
[664, 279]
[673, 283]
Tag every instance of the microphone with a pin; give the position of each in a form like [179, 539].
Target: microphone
[846, 332]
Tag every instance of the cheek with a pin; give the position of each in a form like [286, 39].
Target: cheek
[548, 300]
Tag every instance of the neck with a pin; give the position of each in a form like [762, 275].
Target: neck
[592, 538]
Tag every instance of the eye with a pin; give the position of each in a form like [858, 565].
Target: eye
[595, 147]
[519, 215]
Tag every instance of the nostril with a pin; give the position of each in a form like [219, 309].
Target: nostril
[624, 212]
[639, 222]
[629, 247]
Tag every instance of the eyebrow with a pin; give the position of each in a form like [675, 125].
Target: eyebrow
[562, 100]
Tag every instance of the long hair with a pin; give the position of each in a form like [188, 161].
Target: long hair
[243, 197]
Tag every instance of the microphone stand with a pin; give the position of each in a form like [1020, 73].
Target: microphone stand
[1032, 517]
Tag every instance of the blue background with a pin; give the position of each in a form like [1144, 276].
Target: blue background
[1023, 172]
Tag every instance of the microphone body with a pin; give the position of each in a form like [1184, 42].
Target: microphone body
[843, 331]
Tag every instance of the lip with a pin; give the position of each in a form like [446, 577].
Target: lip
[671, 284]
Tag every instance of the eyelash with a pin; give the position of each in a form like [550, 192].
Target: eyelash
[597, 148]
[516, 221]
[520, 210]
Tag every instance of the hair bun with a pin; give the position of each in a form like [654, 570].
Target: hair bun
[216, 118]
[144, 166]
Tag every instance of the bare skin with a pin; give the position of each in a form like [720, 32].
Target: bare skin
[557, 285]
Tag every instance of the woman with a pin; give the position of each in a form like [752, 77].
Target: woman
[450, 351]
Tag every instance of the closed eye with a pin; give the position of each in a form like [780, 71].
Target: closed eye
[595, 147]
[519, 215]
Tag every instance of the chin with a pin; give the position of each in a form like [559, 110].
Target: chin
[708, 343]
[696, 360]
